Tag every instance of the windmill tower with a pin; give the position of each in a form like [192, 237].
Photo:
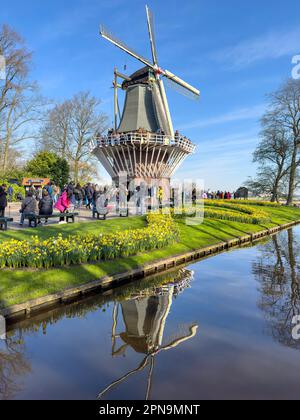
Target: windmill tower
[143, 143]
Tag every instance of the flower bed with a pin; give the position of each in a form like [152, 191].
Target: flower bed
[259, 203]
[246, 214]
[58, 251]
[255, 218]
[222, 210]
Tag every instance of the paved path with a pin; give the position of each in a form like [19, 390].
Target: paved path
[13, 211]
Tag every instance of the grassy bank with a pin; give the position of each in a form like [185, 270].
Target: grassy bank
[17, 286]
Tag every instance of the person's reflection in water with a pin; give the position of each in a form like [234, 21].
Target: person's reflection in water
[145, 317]
[277, 271]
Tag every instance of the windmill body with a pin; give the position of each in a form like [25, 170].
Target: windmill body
[143, 143]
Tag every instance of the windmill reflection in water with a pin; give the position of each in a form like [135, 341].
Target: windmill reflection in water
[144, 315]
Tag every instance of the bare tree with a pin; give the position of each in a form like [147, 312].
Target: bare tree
[86, 122]
[265, 181]
[71, 126]
[21, 118]
[19, 100]
[17, 59]
[55, 133]
[273, 154]
[285, 110]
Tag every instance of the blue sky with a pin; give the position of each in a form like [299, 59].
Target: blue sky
[234, 52]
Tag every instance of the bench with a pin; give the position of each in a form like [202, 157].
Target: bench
[124, 212]
[100, 215]
[4, 221]
[35, 219]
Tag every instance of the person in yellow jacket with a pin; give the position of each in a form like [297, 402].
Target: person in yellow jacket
[160, 195]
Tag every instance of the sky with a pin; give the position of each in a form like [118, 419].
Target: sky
[234, 52]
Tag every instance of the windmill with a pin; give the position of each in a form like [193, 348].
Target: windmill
[143, 143]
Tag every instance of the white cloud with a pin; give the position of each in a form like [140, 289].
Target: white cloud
[246, 113]
[233, 142]
[271, 45]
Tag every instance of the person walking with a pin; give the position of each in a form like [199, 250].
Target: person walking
[29, 207]
[3, 200]
[89, 194]
[46, 205]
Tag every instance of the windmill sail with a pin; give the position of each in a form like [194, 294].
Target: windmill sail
[180, 89]
[120, 44]
[160, 109]
[151, 34]
[181, 83]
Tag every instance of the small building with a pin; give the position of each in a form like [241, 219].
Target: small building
[242, 192]
[35, 182]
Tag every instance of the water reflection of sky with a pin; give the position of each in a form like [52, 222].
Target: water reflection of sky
[242, 302]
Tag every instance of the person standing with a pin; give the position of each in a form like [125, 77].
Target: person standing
[55, 192]
[96, 195]
[10, 193]
[3, 200]
[78, 193]
[89, 191]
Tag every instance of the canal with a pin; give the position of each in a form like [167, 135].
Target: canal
[220, 328]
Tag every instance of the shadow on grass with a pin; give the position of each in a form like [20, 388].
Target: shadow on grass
[226, 232]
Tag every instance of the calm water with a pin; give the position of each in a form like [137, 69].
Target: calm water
[220, 328]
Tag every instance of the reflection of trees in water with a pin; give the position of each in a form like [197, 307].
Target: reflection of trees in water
[12, 365]
[277, 271]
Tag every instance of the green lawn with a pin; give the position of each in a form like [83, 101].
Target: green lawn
[17, 286]
[103, 226]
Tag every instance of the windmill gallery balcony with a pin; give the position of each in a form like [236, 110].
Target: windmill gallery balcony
[142, 154]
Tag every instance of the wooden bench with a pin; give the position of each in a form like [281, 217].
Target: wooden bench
[4, 222]
[35, 219]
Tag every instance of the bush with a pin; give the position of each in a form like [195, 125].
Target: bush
[17, 188]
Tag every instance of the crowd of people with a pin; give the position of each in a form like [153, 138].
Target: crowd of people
[112, 135]
[45, 200]
[218, 195]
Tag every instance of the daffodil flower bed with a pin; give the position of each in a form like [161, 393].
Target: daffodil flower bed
[259, 203]
[246, 214]
[217, 209]
[255, 218]
[58, 251]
